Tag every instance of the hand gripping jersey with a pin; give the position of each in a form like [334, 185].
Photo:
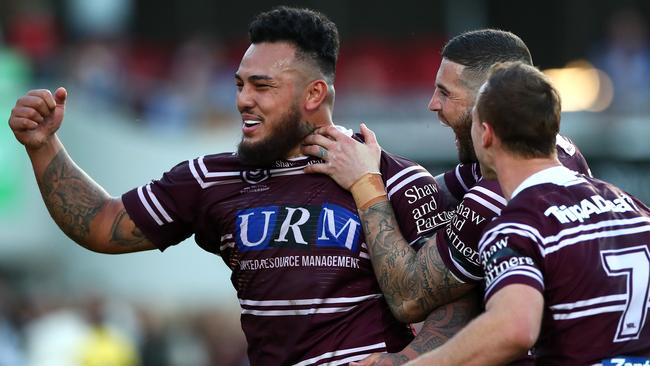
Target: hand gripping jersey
[481, 200]
[585, 245]
[296, 248]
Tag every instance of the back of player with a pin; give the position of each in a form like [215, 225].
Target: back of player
[584, 244]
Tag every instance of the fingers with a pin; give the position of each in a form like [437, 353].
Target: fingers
[368, 135]
[315, 151]
[60, 96]
[320, 140]
[331, 132]
[45, 95]
[22, 124]
[321, 168]
[35, 103]
[27, 113]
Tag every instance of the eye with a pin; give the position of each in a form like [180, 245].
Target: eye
[262, 86]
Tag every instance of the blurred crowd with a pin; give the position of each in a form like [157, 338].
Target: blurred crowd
[46, 329]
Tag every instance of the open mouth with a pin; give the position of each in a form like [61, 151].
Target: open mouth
[251, 123]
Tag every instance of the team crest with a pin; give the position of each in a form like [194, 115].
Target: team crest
[255, 176]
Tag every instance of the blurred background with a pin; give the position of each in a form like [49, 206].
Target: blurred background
[151, 84]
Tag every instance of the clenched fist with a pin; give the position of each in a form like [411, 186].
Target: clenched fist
[37, 116]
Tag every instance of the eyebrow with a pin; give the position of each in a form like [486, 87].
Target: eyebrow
[255, 77]
[442, 87]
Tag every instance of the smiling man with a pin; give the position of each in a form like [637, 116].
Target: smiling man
[294, 241]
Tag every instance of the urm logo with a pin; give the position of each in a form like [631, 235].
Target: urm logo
[329, 225]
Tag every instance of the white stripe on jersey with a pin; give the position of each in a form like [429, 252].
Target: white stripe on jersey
[401, 173]
[290, 172]
[309, 311]
[598, 225]
[158, 205]
[490, 194]
[621, 299]
[511, 227]
[407, 181]
[315, 301]
[374, 347]
[594, 311]
[208, 174]
[284, 171]
[146, 205]
[589, 302]
[460, 179]
[461, 269]
[474, 169]
[348, 360]
[483, 202]
[204, 185]
[597, 235]
[527, 271]
[230, 244]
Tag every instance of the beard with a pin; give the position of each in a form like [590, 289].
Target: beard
[283, 137]
[466, 153]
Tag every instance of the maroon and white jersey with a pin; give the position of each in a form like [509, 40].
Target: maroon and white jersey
[482, 201]
[296, 248]
[585, 245]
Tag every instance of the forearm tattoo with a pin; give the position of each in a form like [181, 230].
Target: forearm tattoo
[71, 197]
[411, 281]
[444, 322]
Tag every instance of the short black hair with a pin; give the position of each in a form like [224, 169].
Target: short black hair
[314, 35]
[522, 106]
[478, 50]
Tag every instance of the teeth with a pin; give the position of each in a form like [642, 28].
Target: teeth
[251, 123]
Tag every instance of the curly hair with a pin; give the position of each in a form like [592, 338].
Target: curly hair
[314, 35]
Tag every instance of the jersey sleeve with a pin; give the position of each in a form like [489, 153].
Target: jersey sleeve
[510, 253]
[163, 209]
[414, 195]
[460, 179]
[458, 242]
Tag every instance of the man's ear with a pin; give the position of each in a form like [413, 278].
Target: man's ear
[315, 94]
[487, 134]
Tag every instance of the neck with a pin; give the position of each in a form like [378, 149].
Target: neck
[512, 170]
[315, 121]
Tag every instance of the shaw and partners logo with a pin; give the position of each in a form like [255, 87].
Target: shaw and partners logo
[267, 227]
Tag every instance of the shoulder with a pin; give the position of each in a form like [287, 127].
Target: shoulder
[487, 194]
[207, 170]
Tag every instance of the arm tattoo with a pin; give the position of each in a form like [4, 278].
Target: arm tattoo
[444, 322]
[72, 198]
[412, 282]
[125, 233]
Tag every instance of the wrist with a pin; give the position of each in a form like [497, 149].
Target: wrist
[50, 145]
[368, 190]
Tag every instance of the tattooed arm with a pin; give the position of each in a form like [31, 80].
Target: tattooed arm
[413, 283]
[439, 326]
[81, 208]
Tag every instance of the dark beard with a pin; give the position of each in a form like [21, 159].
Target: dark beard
[288, 133]
[466, 153]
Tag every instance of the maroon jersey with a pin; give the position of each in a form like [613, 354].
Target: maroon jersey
[585, 245]
[482, 201]
[296, 248]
